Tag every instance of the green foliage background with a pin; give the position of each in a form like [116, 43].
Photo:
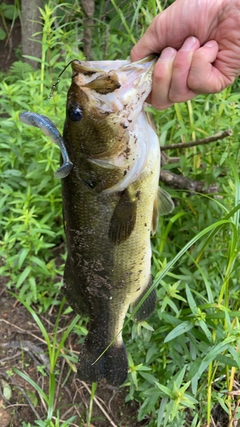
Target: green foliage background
[186, 359]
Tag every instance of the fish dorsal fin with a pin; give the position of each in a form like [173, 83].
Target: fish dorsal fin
[123, 219]
[163, 205]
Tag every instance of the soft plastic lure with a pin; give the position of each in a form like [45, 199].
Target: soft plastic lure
[49, 129]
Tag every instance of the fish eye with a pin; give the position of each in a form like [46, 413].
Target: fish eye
[75, 113]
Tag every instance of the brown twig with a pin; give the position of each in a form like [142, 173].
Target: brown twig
[24, 331]
[204, 141]
[96, 400]
[184, 183]
[30, 348]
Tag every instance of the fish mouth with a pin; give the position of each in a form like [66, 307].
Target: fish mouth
[135, 79]
[133, 74]
[90, 69]
[113, 85]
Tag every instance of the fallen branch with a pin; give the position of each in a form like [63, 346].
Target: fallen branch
[204, 141]
[165, 159]
[183, 183]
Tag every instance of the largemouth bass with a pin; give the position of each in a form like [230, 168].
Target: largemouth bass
[110, 206]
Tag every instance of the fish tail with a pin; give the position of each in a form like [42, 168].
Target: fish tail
[112, 366]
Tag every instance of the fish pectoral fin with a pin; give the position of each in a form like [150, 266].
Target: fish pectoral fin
[163, 205]
[148, 305]
[106, 164]
[124, 217]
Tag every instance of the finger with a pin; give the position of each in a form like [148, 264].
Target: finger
[171, 27]
[179, 90]
[204, 77]
[149, 43]
[162, 76]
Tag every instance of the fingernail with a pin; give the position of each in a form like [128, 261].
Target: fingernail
[189, 43]
[210, 44]
[168, 53]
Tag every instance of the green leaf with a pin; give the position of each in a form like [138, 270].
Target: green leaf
[22, 256]
[10, 11]
[227, 361]
[191, 301]
[7, 391]
[214, 353]
[33, 384]
[2, 34]
[33, 398]
[167, 391]
[25, 273]
[179, 330]
[161, 410]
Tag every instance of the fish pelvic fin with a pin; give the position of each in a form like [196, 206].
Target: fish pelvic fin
[124, 217]
[148, 305]
[111, 367]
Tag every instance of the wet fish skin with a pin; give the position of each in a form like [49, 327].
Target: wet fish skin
[109, 205]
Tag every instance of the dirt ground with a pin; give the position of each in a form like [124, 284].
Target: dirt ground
[22, 346]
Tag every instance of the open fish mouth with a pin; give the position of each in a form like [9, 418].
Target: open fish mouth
[126, 84]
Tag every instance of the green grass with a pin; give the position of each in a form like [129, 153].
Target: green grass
[185, 360]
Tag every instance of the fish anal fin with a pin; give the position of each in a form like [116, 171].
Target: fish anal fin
[124, 218]
[148, 305]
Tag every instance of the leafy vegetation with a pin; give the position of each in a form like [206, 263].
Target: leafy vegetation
[10, 12]
[184, 362]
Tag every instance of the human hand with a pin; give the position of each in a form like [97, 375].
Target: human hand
[200, 49]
